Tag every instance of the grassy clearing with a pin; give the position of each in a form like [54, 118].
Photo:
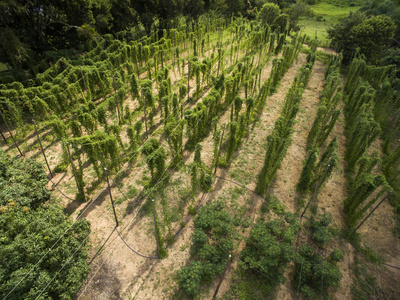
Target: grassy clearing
[326, 15]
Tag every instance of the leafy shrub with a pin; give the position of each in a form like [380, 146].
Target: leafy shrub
[212, 224]
[312, 272]
[28, 230]
[320, 230]
[269, 247]
[23, 181]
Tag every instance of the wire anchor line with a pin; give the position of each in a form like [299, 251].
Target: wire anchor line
[130, 248]
[41, 147]
[9, 130]
[111, 199]
[372, 211]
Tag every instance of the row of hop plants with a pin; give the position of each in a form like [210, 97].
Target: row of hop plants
[90, 116]
[198, 121]
[93, 78]
[386, 113]
[318, 167]
[280, 138]
[281, 65]
[239, 122]
[361, 131]
[59, 87]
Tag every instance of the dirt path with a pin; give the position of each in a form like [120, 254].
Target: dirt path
[288, 175]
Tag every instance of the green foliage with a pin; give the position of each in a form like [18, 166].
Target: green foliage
[155, 158]
[311, 270]
[307, 172]
[356, 204]
[23, 182]
[27, 234]
[370, 34]
[269, 247]
[269, 13]
[28, 230]
[320, 230]
[174, 135]
[212, 224]
[189, 278]
[364, 284]
[232, 141]
[100, 147]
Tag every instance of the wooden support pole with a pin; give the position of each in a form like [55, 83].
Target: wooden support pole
[162, 59]
[84, 81]
[9, 130]
[111, 199]
[41, 147]
[182, 110]
[219, 149]
[188, 85]
[145, 114]
[155, 228]
[372, 211]
[73, 168]
[115, 92]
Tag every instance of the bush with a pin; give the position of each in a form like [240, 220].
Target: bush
[24, 181]
[29, 228]
[189, 278]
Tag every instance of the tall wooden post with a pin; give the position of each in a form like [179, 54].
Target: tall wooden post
[84, 81]
[41, 147]
[115, 92]
[4, 138]
[145, 114]
[188, 85]
[219, 150]
[73, 168]
[155, 228]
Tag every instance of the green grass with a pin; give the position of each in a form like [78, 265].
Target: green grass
[329, 15]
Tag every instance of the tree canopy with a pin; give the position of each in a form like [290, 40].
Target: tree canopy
[371, 35]
[29, 28]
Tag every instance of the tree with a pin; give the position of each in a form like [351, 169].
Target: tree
[296, 10]
[269, 13]
[193, 8]
[37, 26]
[371, 35]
